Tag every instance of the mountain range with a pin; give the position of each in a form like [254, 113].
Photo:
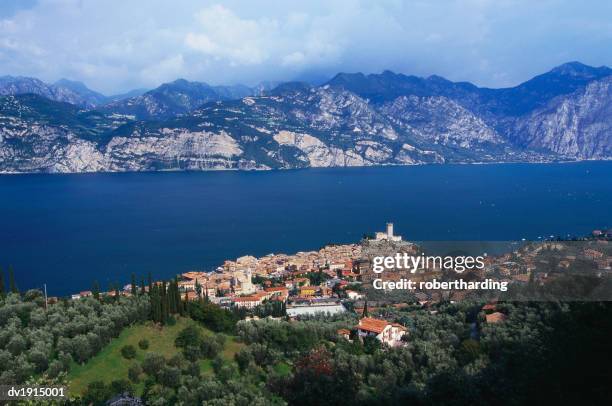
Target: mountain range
[351, 120]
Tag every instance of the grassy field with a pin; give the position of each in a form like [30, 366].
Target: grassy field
[109, 365]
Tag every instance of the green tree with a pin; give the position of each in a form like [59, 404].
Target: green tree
[189, 336]
[97, 393]
[1, 282]
[153, 364]
[128, 351]
[95, 290]
[365, 309]
[12, 284]
[133, 285]
[134, 373]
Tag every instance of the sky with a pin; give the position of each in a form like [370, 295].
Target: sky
[117, 45]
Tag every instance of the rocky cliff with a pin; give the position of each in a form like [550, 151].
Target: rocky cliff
[353, 120]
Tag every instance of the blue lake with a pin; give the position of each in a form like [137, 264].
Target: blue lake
[68, 230]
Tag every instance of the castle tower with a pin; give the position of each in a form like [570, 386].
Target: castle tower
[390, 231]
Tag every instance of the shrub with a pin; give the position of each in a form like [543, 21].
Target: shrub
[128, 351]
[134, 373]
[143, 344]
[189, 336]
[153, 364]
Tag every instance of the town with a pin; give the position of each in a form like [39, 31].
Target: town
[337, 278]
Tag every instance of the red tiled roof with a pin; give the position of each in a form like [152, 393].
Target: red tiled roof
[496, 317]
[276, 289]
[253, 298]
[374, 325]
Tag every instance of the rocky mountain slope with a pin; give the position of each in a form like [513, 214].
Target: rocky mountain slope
[577, 125]
[171, 99]
[91, 97]
[353, 120]
[14, 85]
[63, 90]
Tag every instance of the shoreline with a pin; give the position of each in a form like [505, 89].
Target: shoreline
[271, 170]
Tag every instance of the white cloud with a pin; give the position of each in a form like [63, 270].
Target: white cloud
[171, 67]
[114, 45]
[222, 34]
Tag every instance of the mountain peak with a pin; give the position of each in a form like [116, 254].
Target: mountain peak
[343, 78]
[290, 87]
[71, 84]
[575, 68]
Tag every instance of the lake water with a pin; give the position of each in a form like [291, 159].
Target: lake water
[68, 230]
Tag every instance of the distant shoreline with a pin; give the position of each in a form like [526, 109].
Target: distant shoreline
[212, 170]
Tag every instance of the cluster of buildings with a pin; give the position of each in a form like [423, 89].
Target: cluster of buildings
[279, 277]
[312, 282]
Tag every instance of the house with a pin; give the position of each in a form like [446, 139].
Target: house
[85, 293]
[193, 275]
[489, 307]
[307, 291]
[496, 317]
[191, 295]
[325, 290]
[387, 333]
[593, 254]
[279, 293]
[353, 295]
[334, 266]
[344, 333]
[297, 282]
[249, 302]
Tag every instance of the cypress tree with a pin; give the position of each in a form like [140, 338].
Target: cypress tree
[150, 283]
[164, 303]
[142, 286]
[155, 304]
[184, 305]
[95, 290]
[177, 297]
[134, 289]
[170, 295]
[12, 284]
[365, 309]
[117, 292]
[1, 282]
[198, 289]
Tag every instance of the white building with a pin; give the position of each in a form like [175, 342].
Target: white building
[353, 295]
[249, 302]
[242, 282]
[389, 236]
[312, 309]
[387, 333]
